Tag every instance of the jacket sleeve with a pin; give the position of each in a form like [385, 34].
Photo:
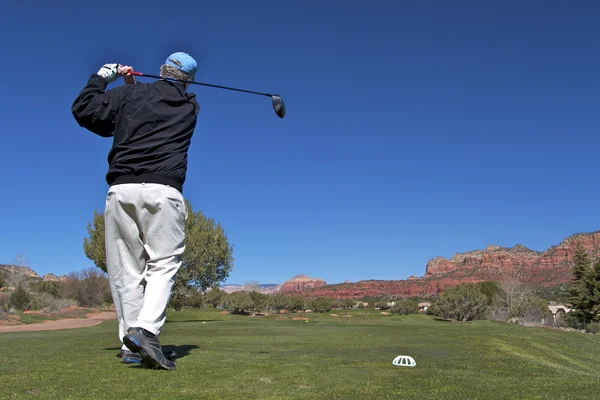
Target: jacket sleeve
[95, 108]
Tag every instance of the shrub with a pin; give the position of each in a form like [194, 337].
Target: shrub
[89, 288]
[464, 302]
[47, 303]
[593, 327]
[19, 299]
[53, 288]
[405, 307]
[181, 297]
[4, 301]
[320, 304]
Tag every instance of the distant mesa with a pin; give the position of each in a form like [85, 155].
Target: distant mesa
[301, 283]
[547, 268]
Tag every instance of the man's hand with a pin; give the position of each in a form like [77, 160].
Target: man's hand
[125, 71]
[110, 72]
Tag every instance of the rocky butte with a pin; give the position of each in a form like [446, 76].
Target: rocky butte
[542, 269]
[301, 283]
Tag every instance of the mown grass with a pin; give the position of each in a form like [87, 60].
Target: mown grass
[241, 357]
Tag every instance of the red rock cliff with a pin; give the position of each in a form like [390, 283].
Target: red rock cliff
[548, 268]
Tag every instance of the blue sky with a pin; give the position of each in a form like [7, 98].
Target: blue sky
[414, 129]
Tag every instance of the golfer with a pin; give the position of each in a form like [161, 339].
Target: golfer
[151, 126]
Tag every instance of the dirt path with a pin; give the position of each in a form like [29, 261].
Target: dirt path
[67, 323]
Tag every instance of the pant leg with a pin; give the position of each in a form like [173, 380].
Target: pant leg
[125, 254]
[163, 223]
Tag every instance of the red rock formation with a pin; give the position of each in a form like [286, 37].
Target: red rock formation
[548, 268]
[301, 283]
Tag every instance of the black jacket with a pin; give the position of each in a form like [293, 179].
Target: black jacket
[151, 125]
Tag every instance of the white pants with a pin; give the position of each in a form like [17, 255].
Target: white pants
[145, 240]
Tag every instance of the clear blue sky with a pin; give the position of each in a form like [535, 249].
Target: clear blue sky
[414, 129]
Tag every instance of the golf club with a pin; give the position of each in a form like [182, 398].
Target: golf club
[276, 100]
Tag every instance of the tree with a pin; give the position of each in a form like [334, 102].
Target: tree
[18, 276]
[295, 303]
[492, 291]
[515, 297]
[207, 259]
[238, 302]
[346, 303]
[94, 246]
[279, 301]
[214, 296]
[462, 303]
[320, 304]
[584, 288]
[259, 301]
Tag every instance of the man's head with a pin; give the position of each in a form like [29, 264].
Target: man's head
[179, 66]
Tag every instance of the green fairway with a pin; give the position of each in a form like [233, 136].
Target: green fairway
[241, 357]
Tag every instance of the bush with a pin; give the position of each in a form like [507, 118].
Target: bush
[50, 287]
[405, 307]
[593, 327]
[320, 304]
[534, 311]
[47, 303]
[182, 296]
[89, 288]
[464, 302]
[19, 299]
[4, 301]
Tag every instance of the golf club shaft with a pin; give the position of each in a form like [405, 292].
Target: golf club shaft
[200, 83]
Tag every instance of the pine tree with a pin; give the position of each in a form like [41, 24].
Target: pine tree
[595, 291]
[583, 285]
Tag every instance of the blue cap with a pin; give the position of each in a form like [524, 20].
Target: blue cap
[183, 62]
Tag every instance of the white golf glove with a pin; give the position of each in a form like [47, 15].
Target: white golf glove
[110, 72]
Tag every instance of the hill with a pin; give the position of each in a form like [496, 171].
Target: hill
[10, 272]
[548, 268]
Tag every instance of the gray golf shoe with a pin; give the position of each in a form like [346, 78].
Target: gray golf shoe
[147, 345]
[129, 357]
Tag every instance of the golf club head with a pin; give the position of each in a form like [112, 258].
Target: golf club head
[278, 105]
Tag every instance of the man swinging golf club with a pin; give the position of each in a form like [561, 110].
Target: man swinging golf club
[145, 213]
